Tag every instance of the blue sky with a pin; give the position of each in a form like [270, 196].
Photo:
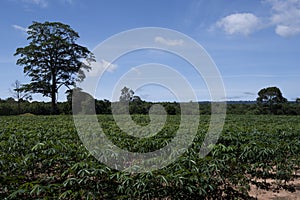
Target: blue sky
[255, 44]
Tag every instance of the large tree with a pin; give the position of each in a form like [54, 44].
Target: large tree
[270, 95]
[53, 59]
[270, 98]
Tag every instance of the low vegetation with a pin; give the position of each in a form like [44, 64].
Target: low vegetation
[42, 157]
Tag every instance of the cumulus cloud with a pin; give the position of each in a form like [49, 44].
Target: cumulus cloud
[168, 42]
[239, 23]
[285, 16]
[101, 66]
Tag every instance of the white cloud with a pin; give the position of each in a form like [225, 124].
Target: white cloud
[20, 28]
[41, 3]
[109, 66]
[285, 16]
[136, 70]
[168, 42]
[287, 31]
[101, 66]
[239, 23]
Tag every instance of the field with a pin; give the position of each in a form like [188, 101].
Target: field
[42, 157]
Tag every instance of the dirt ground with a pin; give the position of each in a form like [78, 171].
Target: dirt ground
[275, 194]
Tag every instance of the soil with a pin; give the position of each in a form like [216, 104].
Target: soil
[277, 194]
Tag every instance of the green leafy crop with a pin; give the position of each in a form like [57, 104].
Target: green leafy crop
[42, 157]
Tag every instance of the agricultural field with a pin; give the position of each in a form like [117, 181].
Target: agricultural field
[42, 157]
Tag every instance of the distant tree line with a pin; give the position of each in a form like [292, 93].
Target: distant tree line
[10, 107]
[269, 101]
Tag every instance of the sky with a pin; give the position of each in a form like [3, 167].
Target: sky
[254, 44]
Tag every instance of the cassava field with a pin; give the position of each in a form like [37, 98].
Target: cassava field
[42, 157]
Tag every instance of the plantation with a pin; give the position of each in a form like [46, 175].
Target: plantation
[42, 157]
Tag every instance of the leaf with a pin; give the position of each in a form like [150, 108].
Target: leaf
[38, 146]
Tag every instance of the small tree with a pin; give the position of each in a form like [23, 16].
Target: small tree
[271, 98]
[19, 94]
[53, 59]
[126, 95]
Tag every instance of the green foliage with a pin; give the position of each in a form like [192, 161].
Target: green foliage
[126, 95]
[52, 58]
[270, 100]
[270, 95]
[43, 158]
[10, 107]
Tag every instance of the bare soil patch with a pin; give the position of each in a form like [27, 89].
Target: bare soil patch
[276, 193]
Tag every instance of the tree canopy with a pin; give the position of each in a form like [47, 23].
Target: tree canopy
[270, 96]
[270, 100]
[53, 59]
[126, 94]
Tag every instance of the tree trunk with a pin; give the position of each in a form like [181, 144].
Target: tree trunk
[54, 109]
